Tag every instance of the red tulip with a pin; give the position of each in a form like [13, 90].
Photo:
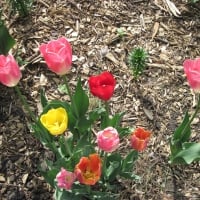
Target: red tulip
[108, 139]
[139, 139]
[88, 170]
[192, 71]
[10, 73]
[58, 55]
[102, 85]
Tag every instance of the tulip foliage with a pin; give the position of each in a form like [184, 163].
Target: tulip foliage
[6, 40]
[85, 141]
[86, 144]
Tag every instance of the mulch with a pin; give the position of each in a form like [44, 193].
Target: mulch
[156, 101]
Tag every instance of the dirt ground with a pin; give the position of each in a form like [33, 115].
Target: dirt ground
[156, 101]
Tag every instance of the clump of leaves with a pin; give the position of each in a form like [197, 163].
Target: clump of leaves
[21, 6]
[137, 61]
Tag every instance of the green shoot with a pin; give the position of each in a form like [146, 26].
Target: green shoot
[21, 6]
[121, 32]
[137, 61]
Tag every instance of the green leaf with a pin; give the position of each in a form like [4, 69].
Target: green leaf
[189, 153]
[123, 131]
[183, 132]
[80, 101]
[55, 104]
[6, 41]
[128, 162]
[113, 121]
[130, 175]
[97, 195]
[43, 99]
[84, 147]
[113, 166]
[50, 176]
[180, 135]
[82, 142]
[65, 195]
[116, 120]
[83, 124]
[65, 146]
[96, 114]
[42, 134]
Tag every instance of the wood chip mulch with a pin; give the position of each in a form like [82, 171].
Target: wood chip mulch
[156, 101]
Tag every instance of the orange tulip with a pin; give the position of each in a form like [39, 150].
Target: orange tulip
[139, 139]
[88, 170]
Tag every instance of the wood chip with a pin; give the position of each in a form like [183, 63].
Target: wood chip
[174, 10]
[155, 29]
[148, 113]
[111, 57]
[24, 178]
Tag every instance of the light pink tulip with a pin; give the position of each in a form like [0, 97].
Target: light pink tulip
[192, 71]
[108, 139]
[58, 55]
[10, 73]
[65, 179]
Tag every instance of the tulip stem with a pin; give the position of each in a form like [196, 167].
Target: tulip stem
[107, 107]
[67, 146]
[67, 86]
[104, 166]
[70, 95]
[24, 102]
[107, 112]
[192, 117]
[196, 111]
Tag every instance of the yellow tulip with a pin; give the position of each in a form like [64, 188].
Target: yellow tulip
[55, 121]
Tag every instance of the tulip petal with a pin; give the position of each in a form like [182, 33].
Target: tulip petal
[108, 139]
[192, 71]
[55, 121]
[57, 55]
[140, 138]
[102, 85]
[88, 170]
[10, 73]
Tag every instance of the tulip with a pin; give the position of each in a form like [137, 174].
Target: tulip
[102, 86]
[139, 139]
[58, 55]
[88, 170]
[65, 179]
[10, 73]
[55, 121]
[108, 139]
[192, 71]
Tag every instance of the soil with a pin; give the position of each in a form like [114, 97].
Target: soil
[157, 100]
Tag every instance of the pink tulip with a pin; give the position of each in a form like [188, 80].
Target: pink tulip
[192, 71]
[58, 55]
[65, 179]
[10, 73]
[108, 139]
